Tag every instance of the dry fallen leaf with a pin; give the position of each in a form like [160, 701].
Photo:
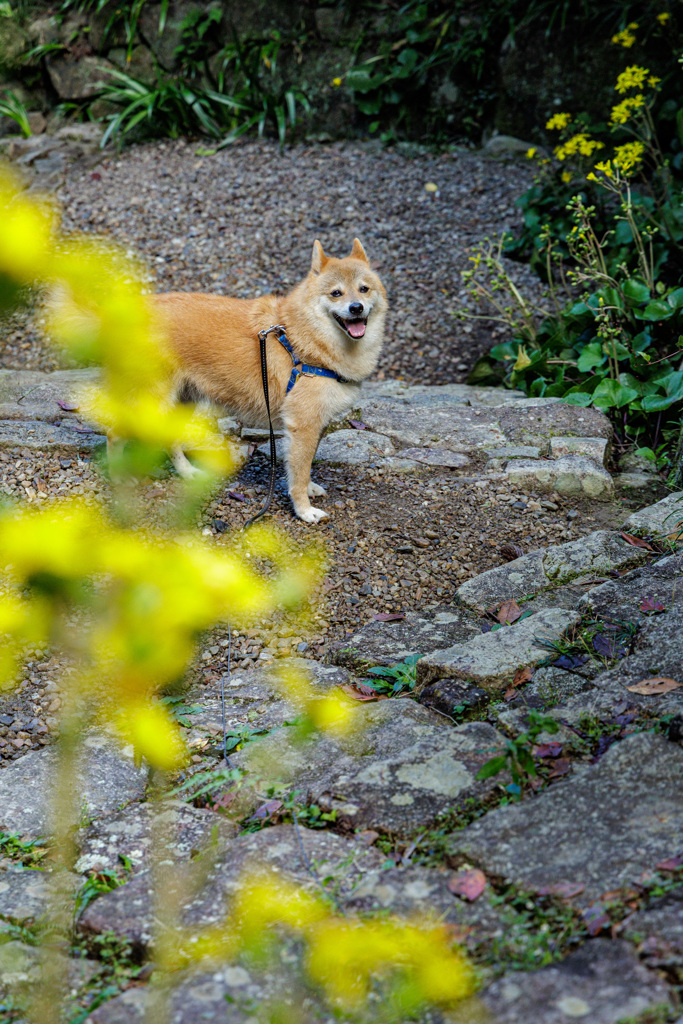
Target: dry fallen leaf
[595, 918]
[469, 884]
[523, 675]
[566, 890]
[351, 691]
[637, 542]
[671, 863]
[368, 836]
[510, 551]
[389, 616]
[509, 611]
[658, 684]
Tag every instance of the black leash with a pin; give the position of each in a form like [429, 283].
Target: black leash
[263, 337]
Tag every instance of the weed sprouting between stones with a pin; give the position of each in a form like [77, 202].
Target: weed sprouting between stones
[29, 852]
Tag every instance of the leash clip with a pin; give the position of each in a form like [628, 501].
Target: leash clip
[267, 330]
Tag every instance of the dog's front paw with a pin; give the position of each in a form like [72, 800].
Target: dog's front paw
[312, 515]
[316, 491]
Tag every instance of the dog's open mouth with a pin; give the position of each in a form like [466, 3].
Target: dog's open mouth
[354, 328]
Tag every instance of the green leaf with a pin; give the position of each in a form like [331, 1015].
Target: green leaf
[492, 767]
[578, 398]
[657, 310]
[610, 394]
[636, 291]
[591, 357]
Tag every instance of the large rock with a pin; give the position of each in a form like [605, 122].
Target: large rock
[658, 931]
[572, 474]
[353, 447]
[599, 552]
[601, 983]
[663, 519]
[128, 833]
[78, 79]
[639, 595]
[32, 395]
[45, 437]
[386, 643]
[24, 894]
[106, 779]
[491, 659]
[396, 769]
[356, 877]
[599, 831]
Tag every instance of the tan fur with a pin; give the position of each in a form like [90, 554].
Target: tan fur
[215, 340]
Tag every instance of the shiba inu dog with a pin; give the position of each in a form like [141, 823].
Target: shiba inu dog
[333, 319]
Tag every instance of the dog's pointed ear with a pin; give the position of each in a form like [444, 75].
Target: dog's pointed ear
[358, 252]
[318, 259]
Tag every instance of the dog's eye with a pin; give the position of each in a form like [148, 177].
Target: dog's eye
[363, 288]
[335, 294]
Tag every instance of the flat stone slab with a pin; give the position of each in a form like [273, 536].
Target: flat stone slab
[108, 778]
[353, 447]
[387, 643]
[44, 437]
[21, 969]
[657, 652]
[600, 830]
[434, 457]
[128, 833]
[633, 596]
[256, 699]
[24, 894]
[659, 520]
[491, 659]
[356, 876]
[601, 983]
[599, 552]
[32, 395]
[571, 474]
[594, 447]
[398, 767]
[657, 930]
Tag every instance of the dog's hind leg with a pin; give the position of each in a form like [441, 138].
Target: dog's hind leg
[316, 491]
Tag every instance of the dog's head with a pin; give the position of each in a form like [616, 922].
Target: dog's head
[349, 292]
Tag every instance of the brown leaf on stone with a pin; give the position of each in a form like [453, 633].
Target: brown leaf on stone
[637, 542]
[389, 616]
[368, 837]
[469, 884]
[523, 675]
[671, 864]
[595, 918]
[565, 890]
[509, 611]
[367, 691]
[510, 551]
[658, 684]
[352, 691]
[548, 750]
[560, 767]
[509, 693]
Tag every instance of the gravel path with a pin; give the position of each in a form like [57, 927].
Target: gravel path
[243, 221]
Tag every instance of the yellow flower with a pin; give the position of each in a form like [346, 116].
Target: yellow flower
[566, 176]
[653, 81]
[623, 111]
[626, 157]
[591, 177]
[625, 38]
[631, 78]
[580, 144]
[663, 17]
[558, 121]
[606, 168]
[336, 82]
[531, 153]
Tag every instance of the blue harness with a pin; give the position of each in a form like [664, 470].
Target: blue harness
[300, 369]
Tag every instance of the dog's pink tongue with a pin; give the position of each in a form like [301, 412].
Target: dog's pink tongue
[356, 328]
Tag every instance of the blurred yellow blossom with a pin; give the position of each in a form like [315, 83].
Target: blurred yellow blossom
[626, 37]
[623, 111]
[566, 176]
[627, 157]
[632, 78]
[531, 153]
[558, 121]
[578, 144]
[336, 82]
[663, 17]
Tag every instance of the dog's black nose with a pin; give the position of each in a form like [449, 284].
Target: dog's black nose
[356, 308]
